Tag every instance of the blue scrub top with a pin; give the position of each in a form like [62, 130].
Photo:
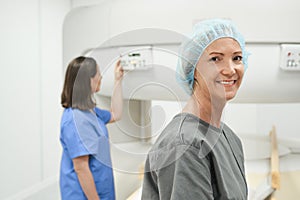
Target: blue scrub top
[84, 133]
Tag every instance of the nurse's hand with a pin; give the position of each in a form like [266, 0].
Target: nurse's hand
[119, 72]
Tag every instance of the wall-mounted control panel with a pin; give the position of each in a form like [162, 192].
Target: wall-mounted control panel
[290, 57]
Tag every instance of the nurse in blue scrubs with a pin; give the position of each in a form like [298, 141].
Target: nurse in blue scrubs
[86, 170]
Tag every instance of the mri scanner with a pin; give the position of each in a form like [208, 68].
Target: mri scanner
[145, 35]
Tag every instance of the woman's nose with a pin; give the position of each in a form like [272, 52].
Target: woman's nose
[228, 68]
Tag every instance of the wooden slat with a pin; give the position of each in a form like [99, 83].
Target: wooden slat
[275, 174]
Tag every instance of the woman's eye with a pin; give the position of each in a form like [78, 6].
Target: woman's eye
[238, 58]
[214, 59]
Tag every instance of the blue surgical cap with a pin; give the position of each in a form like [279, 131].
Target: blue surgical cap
[204, 33]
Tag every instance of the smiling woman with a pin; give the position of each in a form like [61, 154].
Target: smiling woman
[197, 156]
[219, 71]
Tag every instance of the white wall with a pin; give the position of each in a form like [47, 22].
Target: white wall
[20, 83]
[78, 3]
[52, 14]
[31, 69]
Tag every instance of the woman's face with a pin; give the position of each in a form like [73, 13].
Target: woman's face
[220, 70]
[96, 81]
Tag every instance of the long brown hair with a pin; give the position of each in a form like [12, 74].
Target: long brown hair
[77, 91]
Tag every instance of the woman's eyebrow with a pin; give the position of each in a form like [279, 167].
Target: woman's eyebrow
[238, 52]
[215, 53]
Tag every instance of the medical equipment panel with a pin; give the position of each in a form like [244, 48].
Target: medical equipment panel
[136, 58]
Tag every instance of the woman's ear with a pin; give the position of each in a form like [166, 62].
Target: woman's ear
[92, 84]
[196, 74]
[98, 85]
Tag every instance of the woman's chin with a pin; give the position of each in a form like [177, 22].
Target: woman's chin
[230, 96]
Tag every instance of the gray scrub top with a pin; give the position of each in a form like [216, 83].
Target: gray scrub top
[193, 160]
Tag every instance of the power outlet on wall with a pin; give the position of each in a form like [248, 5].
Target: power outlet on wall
[290, 57]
